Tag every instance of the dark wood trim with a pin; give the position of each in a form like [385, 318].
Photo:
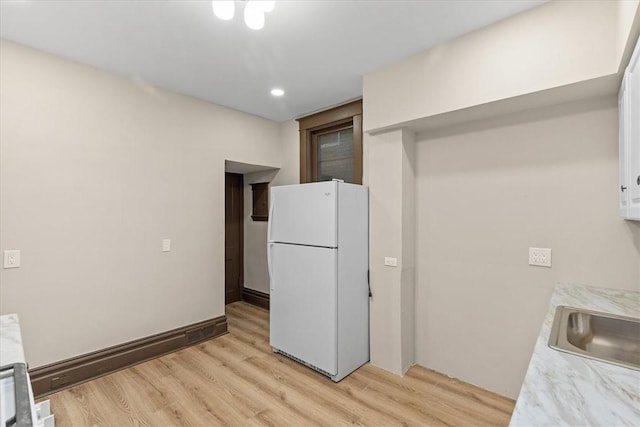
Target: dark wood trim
[238, 195]
[305, 156]
[70, 372]
[333, 115]
[242, 236]
[260, 197]
[357, 148]
[256, 298]
[350, 115]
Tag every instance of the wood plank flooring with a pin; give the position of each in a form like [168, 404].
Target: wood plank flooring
[236, 380]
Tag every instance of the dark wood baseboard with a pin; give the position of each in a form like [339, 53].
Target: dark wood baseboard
[68, 373]
[256, 298]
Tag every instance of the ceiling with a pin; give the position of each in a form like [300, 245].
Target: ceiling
[317, 51]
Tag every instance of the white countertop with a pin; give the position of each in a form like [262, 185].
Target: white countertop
[10, 340]
[562, 389]
[11, 352]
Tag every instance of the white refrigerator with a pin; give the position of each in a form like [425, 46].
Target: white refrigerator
[318, 269]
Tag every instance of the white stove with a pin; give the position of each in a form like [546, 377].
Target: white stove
[17, 406]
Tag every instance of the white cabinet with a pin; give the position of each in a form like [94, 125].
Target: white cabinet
[629, 110]
[623, 138]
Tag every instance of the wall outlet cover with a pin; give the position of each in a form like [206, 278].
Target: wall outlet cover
[540, 257]
[12, 258]
[390, 261]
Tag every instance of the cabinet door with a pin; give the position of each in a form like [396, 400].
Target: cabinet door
[623, 141]
[633, 140]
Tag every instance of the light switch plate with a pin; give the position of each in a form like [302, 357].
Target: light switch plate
[390, 261]
[166, 245]
[12, 258]
[540, 257]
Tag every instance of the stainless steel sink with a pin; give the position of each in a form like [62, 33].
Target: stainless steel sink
[600, 336]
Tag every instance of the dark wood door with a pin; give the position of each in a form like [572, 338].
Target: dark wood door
[233, 237]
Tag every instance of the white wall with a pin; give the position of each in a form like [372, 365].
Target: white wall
[487, 191]
[392, 221]
[556, 44]
[95, 171]
[289, 154]
[385, 224]
[491, 182]
[256, 275]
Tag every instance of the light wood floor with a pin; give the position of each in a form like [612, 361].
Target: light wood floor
[236, 380]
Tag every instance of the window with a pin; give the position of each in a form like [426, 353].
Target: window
[331, 144]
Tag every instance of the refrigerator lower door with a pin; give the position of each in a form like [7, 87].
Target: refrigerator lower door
[303, 304]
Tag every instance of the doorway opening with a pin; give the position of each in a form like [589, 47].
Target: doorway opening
[233, 237]
[246, 216]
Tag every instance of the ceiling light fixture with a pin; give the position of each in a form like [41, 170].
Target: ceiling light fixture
[277, 92]
[223, 9]
[254, 11]
[267, 5]
[253, 15]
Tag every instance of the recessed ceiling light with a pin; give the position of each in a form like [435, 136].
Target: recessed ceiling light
[277, 92]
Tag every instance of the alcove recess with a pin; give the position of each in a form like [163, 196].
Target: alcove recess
[260, 192]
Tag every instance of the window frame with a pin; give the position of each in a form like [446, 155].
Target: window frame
[341, 117]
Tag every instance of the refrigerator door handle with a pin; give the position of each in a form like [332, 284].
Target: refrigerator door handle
[270, 222]
[271, 284]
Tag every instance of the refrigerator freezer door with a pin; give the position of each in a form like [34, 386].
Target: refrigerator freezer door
[304, 214]
[303, 303]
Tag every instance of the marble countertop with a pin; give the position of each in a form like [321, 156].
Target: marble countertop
[562, 389]
[10, 340]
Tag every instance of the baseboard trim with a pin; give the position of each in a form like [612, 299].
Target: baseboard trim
[70, 372]
[256, 298]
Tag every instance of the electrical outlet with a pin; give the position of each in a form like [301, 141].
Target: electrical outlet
[12, 259]
[166, 245]
[390, 262]
[540, 257]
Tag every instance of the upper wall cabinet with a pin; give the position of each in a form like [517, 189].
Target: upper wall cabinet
[629, 111]
[260, 201]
